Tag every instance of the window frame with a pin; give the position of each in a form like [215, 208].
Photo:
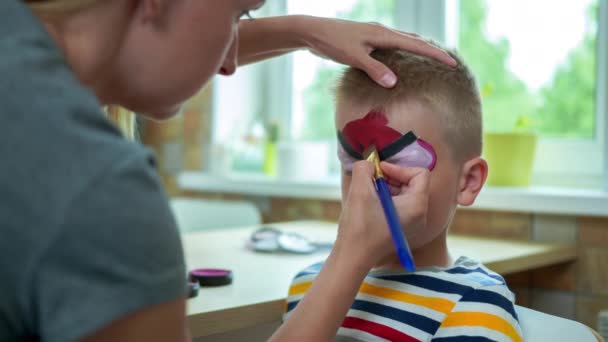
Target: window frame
[578, 163]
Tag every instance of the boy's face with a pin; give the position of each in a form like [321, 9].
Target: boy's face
[415, 116]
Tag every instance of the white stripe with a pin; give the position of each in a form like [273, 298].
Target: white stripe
[473, 331]
[464, 260]
[411, 289]
[417, 309]
[295, 298]
[442, 275]
[359, 335]
[287, 315]
[453, 278]
[486, 271]
[303, 279]
[401, 327]
[486, 308]
[478, 270]
[481, 279]
[502, 290]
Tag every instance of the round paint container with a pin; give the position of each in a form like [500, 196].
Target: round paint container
[211, 276]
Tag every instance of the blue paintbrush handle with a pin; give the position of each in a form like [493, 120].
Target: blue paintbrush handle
[403, 250]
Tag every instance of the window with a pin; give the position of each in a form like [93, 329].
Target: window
[538, 62]
[541, 70]
[312, 100]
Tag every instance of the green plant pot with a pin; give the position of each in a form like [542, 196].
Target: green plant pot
[510, 157]
[270, 158]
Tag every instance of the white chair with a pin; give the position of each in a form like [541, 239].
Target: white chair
[199, 214]
[541, 327]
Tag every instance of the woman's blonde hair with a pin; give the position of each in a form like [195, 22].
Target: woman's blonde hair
[124, 119]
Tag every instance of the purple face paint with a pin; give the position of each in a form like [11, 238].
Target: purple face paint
[393, 147]
[418, 154]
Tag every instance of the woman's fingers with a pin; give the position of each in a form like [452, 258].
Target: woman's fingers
[362, 178]
[379, 72]
[382, 37]
[412, 179]
[413, 201]
[407, 41]
[351, 43]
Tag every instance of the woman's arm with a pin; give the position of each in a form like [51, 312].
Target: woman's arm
[343, 41]
[320, 313]
[362, 240]
[264, 38]
[163, 322]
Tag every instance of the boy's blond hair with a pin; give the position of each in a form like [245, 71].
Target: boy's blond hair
[451, 92]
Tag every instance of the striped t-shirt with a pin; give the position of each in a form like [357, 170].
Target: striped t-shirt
[465, 302]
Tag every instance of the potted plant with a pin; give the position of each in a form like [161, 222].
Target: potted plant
[270, 148]
[510, 155]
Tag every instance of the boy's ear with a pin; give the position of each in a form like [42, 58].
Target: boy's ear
[474, 174]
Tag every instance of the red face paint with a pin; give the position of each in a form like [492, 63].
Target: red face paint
[371, 129]
[393, 147]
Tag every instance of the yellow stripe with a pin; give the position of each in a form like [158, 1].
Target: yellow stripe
[437, 304]
[300, 288]
[481, 319]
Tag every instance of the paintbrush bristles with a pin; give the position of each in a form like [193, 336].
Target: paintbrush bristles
[371, 154]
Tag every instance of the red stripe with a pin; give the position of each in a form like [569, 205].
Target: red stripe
[379, 330]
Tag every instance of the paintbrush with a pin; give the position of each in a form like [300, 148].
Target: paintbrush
[392, 219]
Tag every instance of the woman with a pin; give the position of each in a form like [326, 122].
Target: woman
[89, 248]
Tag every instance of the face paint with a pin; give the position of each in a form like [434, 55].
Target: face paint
[393, 147]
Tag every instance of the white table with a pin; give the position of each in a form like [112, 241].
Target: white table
[257, 294]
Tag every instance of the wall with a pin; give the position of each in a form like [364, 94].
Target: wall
[179, 143]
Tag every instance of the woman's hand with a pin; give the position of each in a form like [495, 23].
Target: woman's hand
[351, 43]
[363, 240]
[363, 230]
[345, 42]
[412, 199]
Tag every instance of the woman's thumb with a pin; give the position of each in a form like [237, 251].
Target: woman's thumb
[363, 173]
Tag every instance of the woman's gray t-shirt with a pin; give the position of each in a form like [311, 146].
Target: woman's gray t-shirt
[86, 233]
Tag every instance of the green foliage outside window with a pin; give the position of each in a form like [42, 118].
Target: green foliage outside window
[565, 107]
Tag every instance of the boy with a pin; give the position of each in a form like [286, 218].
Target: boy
[431, 119]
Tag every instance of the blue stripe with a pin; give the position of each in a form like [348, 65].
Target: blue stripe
[429, 283]
[292, 305]
[304, 273]
[421, 322]
[489, 297]
[463, 338]
[462, 270]
[312, 269]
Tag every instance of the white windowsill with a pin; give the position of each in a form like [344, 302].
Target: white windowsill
[545, 200]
